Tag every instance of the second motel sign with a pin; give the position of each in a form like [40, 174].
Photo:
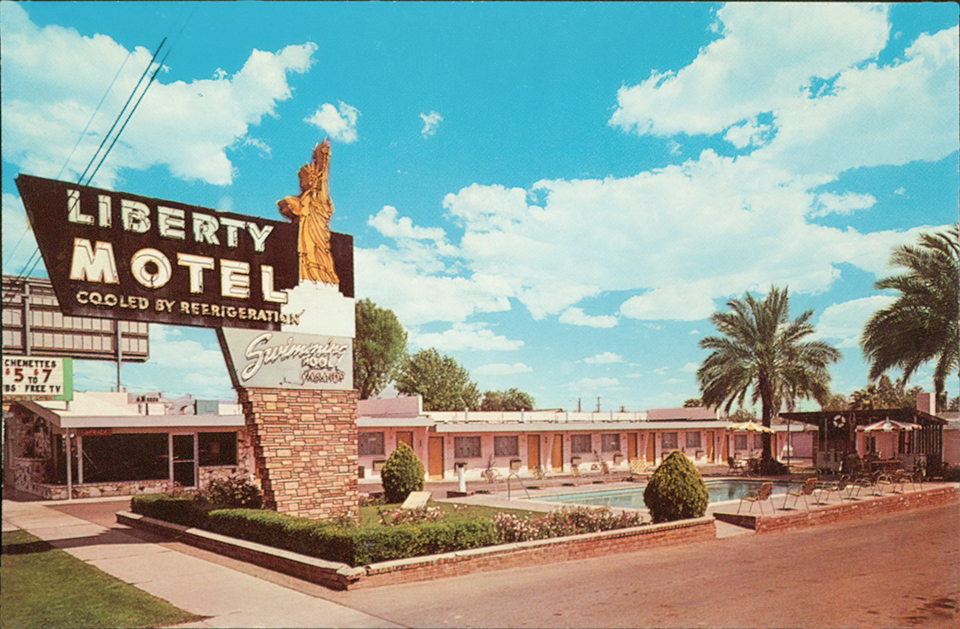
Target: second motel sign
[122, 256]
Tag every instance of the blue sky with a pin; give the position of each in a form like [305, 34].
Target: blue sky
[555, 194]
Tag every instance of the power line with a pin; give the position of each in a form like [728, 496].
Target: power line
[130, 115]
[94, 115]
[120, 115]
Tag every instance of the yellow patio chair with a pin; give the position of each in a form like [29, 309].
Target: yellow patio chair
[758, 496]
[804, 490]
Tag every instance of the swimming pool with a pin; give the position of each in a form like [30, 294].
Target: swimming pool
[632, 497]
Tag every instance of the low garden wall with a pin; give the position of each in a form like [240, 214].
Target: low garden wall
[849, 510]
[341, 576]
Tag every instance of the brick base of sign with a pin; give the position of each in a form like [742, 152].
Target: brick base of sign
[305, 449]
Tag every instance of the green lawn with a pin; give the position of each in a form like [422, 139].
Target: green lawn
[369, 516]
[45, 587]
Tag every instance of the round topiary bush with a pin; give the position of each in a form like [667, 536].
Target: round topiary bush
[676, 490]
[401, 474]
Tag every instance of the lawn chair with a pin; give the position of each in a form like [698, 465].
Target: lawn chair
[871, 481]
[804, 490]
[914, 478]
[639, 467]
[734, 466]
[837, 487]
[493, 476]
[891, 480]
[758, 496]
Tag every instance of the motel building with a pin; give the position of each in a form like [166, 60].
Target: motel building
[554, 441]
[116, 443]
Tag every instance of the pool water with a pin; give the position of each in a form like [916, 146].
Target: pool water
[632, 497]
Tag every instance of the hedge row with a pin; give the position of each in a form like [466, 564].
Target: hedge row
[346, 544]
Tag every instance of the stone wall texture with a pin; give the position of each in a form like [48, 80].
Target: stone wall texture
[305, 449]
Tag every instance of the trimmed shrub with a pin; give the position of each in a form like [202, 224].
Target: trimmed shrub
[402, 473]
[676, 490]
[185, 509]
[351, 545]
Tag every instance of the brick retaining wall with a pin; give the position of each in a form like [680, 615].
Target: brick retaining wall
[340, 576]
[849, 510]
[305, 449]
[538, 552]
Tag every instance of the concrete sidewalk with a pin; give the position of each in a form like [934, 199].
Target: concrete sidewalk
[226, 597]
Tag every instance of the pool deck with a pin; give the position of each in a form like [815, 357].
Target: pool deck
[778, 508]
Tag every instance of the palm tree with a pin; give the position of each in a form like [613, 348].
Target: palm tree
[921, 324]
[762, 350]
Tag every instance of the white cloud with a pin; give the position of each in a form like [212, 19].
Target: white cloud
[900, 190]
[465, 336]
[690, 367]
[186, 126]
[589, 384]
[830, 203]
[843, 323]
[833, 107]
[576, 316]
[388, 223]
[430, 123]
[502, 369]
[604, 359]
[340, 124]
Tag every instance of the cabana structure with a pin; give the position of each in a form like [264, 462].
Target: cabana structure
[889, 438]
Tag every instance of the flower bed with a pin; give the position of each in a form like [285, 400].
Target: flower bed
[401, 534]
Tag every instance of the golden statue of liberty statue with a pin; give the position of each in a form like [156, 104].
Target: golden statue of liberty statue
[312, 209]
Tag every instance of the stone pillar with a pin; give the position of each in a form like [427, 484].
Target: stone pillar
[305, 449]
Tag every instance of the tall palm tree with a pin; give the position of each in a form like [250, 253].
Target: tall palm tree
[763, 350]
[922, 324]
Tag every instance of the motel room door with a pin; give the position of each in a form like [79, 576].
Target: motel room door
[405, 436]
[631, 446]
[533, 452]
[435, 457]
[556, 455]
[651, 448]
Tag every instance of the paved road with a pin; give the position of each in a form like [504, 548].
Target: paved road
[895, 571]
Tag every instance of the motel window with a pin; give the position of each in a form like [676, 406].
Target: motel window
[668, 441]
[466, 447]
[506, 445]
[123, 457]
[739, 442]
[693, 439]
[610, 443]
[580, 444]
[217, 448]
[757, 441]
[370, 443]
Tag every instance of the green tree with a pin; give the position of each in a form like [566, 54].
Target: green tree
[440, 380]
[884, 394]
[835, 402]
[762, 350]
[692, 402]
[509, 400]
[377, 349]
[922, 323]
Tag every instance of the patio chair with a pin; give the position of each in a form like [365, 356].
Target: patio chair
[734, 466]
[889, 479]
[838, 487]
[870, 481]
[804, 490]
[914, 478]
[758, 496]
[493, 476]
[639, 467]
